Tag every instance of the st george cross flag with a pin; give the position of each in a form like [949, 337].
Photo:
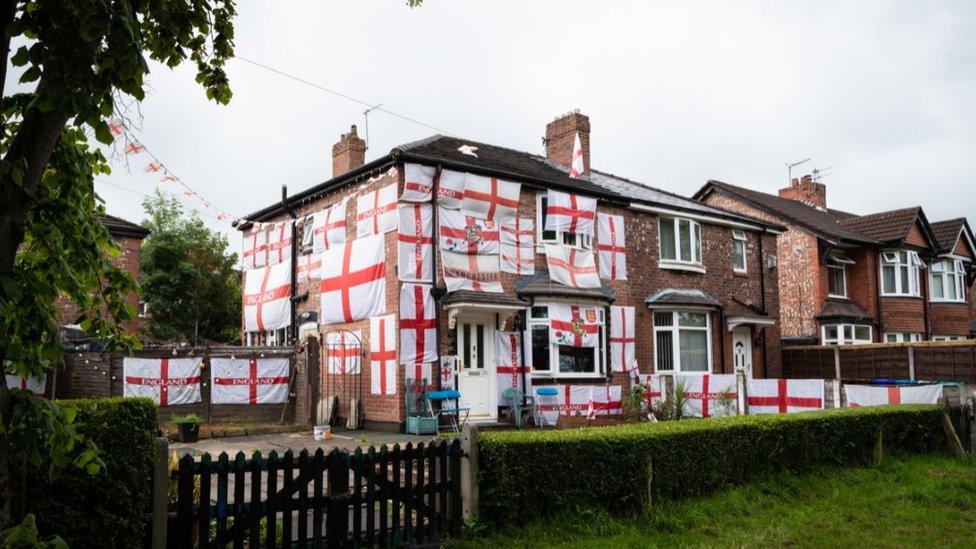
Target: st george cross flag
[709, 395]
[622, 339]
[448, 372]
[508, 355]
[354, 280]
[465, 234]
[605, 401]
[255, 253]
[569, 213]
[489, 197]
[249, 380]
[36, 385]
[329, 227]
[782, 396]
[573, 325]
[418, 333]
[376, 211]
[450, 189]
[415, 242]
[479, 273]
[382, 355]
[876, 395]
[308, 267]
[168, 381]
[576, 169]
[572, 267]
[418, 182]
[612, 247]
[343, 352]
[517, 245]
[279, 243]
[417, 373]
[267, 298]
[655, 395]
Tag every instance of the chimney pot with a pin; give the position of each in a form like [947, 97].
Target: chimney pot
[348, 153]
[806, 190]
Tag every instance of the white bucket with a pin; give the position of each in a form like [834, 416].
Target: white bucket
[322, 432]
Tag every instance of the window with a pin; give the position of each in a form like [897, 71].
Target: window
[948, 281]
[568, 361]
[846, 334]
[306, 228]
[682, 342]
[837, 264]
[739, 251]
[271, 338]
[573, 240]
[902, 337]
[899, 273]
[948, 338]
[680, 241]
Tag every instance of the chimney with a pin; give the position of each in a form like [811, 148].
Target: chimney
[560, 136]
[806, 190]
[349, 153]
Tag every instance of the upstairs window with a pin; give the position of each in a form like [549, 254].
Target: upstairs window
[739, 251]
[837, 274]
[948, 281]
[572, 240]
[899, 273]
[680, 241]
[305, 229]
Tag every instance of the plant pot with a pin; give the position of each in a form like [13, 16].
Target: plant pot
[189, 432]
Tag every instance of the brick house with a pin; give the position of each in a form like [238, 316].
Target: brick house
[706, 301]
[849, 279]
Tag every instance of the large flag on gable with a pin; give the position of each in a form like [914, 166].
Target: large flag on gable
[709, 395]
[279, 243]
[267, 298]
[415, 242]
[517, 246]
[418, 329]
[573, 325]
[450, 189]
[329, 227]
[168, 381]
[569, 213]
[781, 396]
[255, 253]
[572, 267]
[382, 355]
[418, 181]
[622, 339]
[511, 368]
[876, 395]
[343, 351]
[489, 197]
[479, 273]
[249, 380]
[354, 280]
[612, 247]
[465, 234]
[376, 211]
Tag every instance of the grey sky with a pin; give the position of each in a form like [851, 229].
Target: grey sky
[677, 93]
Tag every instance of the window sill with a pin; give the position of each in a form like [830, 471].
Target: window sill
[740, 273]
[678, 266]
[907, 296]
[679, 373]
[841, 297]
[546, 376]
[949, 301]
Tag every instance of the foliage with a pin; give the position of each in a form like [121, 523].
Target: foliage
[673, 408]
[25, 535]
[188, 418]
[189, 279]
[526, 470]
[112, 507]
[634, 403]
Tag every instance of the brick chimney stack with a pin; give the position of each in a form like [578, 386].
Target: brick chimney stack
[806, 190]
[349, 153]
[560, 136]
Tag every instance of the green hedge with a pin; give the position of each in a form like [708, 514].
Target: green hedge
[526, 475]
[113, 507]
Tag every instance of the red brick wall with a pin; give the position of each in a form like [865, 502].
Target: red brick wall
[950, 318]
[903, 314]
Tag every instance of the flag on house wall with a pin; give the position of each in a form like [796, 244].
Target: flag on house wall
[450, 189]
[489, 197]
[279, 242]
[382, 355]
[517, 246]
[354, 280]
[875, 395]
[418, 181]
[576, 169]
[343, 352]
[605, 401]
[418, 329]
[267, 298]
[167, 381]
[612, 247]
[465, 234]
[622, 339]
[573, 325]
[709, 395]
[569, 213]
[255, 253]
[308, 267]
[376, 211]
[249, 380]
[329, 227]
[417, 373]
[782, 396]
[479, 273]
[511, 367]
[572, 267]
[415, 242]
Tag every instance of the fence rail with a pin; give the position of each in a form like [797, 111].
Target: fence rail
[389, 496]
[942, 361]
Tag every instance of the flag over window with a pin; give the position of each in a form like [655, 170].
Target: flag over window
[418, 182]
[573, 325]
[354, 280]
[465, 234]
[479, 273]
[612, 247]
[418, 329]
[167, 381]
[569, 213]
[249, 380]
[382, 355]
[511, 367]
[415, 242]
[267, 298]
[329, 227]
[572, 267]
[376, 211]
[489, 197]
[517, 246]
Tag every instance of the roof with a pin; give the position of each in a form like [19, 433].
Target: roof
[682, 296]
[842, 309]
[484, 298]
[120, 227]
[825, 223]
[540, 284]
[947, 232]
[892, 226]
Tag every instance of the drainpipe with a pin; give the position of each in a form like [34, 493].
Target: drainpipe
[762, 303]
[721, 340]
[877, 293]
[294, 262]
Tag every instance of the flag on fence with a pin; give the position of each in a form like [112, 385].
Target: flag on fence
[479, 273]
[168, 381]
[781, 396]
[605, 401]
[376, 211]
[418, 329]
[36, 385]
[569, 400]
[465, 234]
[573, 325]
[654, 395]
[354, 280]
[343, 351]
[877, 395]
[612, 247]
[572, 267]
[622, 339]
[418, 182]
[382, 355]
[249, 380]
[489, 197]
[450, 189]
[569, 213]
[511, 367]
[267, 298]
[415, 242]
[329, 227]
[709, 395]
[517, 246]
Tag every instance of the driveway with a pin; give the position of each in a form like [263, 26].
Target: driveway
[281, 442]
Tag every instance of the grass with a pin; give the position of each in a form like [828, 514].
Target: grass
[922, 501]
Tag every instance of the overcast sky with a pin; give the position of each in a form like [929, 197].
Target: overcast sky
[677, 93]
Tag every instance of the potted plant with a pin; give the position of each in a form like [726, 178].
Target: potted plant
[189, 426]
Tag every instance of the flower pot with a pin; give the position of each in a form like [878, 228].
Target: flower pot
[189, 432]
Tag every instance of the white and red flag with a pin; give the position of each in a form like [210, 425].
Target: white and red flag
[382, 355]
[168, 381]
[343, 351]
[267, 298]
[448, 371]
[517, 246]
[572, 267]
[655, 394]
[249, 380]
[418, 328]
[570, 400]
[569, 213]
[489, 197]
[153, 167]
[709, 395]
[479, 273]
[418, 373]
[465, 234]
[782, 396]
[354, 280]
[279, 242]
[450, 189]
[36, 385]
[573, 325]
[622, 339]
[418, 182]
[308, 267]
[611, 246]
[329, 227]
[605, 401]
[415, 242]
[376, 211]
[255, 247]
[576, 169]
[877, 395]
[511, 368]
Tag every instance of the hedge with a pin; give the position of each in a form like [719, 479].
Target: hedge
[113, 507]
[527, 475]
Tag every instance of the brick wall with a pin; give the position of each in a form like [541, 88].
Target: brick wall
[950, 318]
[903, 314]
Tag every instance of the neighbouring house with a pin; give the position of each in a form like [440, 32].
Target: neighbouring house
[852, 279]
[697, 281]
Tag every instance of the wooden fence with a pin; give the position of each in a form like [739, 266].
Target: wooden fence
[934, 361]
[378, 497]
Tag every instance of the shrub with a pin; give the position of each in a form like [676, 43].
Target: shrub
[113, 507]
[526, 475]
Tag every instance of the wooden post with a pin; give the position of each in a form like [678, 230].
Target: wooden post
[159, 494]
[469, 472]
[740, 401]
[837, 363]
[879, 450]
[650, 480]
[911, 362]
[954, 443]
[837, 394]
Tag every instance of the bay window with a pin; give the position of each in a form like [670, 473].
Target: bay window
[739, 251]
[682, 342]
[551, 360]
[573, 240]
[680, 241]
[837, 264]
[948, 280]
[846, 334]
[899, 273]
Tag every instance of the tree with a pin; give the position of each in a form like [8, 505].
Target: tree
[82, 57]
[189, 279]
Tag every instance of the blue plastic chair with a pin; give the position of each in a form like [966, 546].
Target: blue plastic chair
[546, 392]
[453, 414]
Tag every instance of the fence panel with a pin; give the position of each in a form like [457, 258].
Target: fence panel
[934, 361]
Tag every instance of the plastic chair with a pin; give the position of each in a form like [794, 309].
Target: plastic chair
[514, 398]
[549, 395]
[453, 414]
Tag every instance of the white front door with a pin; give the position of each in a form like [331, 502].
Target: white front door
[476, 369]
[742, 350]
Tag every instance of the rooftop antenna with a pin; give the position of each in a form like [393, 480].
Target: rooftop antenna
[789, 169]
[366, 125]
[819, 174]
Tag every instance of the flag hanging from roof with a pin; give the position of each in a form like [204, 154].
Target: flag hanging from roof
[279, 242]
[489, 197]
[450, 189]
[418, 182]
[354, 280]
[517, 246]
[255, 247]
[572, 267]
[577, 168]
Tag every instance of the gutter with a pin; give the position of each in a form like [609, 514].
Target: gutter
[704, 217]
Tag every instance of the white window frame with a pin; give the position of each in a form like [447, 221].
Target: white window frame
[579, 241]
[599, 352]
[695, 230]
[842, 338]
[902, 337]
[948, 273]
[739, 239]
[901, 260]
[948, 338]
[675, 330]
[837, 260]
[305, 228]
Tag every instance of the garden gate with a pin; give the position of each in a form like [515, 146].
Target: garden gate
[342, 371]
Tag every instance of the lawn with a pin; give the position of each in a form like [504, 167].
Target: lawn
[926, 501]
